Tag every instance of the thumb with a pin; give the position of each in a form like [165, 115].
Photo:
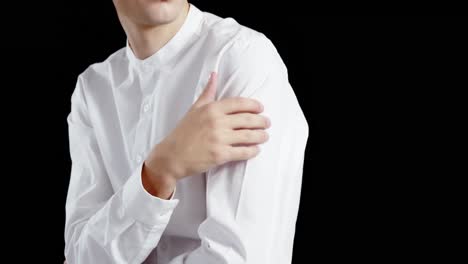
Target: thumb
[208, 95]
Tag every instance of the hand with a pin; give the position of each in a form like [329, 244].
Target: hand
[210, 134]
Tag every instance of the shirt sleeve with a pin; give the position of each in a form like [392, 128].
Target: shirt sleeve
[252, 205]
[104, 225]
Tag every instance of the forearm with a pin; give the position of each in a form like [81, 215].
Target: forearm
[123, 229]
[158, 182]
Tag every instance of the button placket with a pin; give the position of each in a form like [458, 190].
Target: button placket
[144, 129]
[146, 67]
[143, 137]
[145, 107]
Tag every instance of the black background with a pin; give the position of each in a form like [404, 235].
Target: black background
[373, 89]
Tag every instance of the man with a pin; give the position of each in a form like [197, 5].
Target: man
[170, 166]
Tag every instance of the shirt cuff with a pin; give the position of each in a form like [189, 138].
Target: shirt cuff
[143, 206]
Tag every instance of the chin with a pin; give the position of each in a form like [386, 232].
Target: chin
[160, 12]
[150, 12]
[156, 12]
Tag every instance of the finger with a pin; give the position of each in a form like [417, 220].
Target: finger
[246, 136]
[239, 104]
[243, 152]
[247, 120]
[208, 94]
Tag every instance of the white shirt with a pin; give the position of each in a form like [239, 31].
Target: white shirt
[239, 212]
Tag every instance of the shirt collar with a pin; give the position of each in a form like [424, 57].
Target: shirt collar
[173, 46]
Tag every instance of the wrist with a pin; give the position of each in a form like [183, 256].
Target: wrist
[158, 182]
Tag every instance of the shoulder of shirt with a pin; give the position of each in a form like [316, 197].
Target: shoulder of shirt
[240, 47]
[102, 68]
[237, 39]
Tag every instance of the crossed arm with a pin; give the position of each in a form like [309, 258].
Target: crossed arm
[251, 204]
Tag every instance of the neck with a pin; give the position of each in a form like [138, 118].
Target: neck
[147, 40]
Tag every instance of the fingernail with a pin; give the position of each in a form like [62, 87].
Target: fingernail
[211, 75]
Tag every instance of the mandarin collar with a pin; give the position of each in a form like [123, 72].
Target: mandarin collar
[172, 47]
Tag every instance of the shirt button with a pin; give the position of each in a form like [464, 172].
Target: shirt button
[138, 158]
[146, 108]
